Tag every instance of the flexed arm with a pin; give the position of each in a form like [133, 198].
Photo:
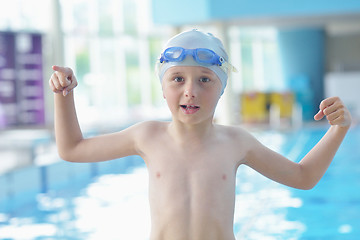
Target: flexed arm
[316, 162]
[67, 129]
[69, 139]
[308, 172]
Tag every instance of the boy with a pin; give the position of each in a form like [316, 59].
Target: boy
[192, 162]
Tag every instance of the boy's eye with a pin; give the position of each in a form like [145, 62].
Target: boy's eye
[178, 79]
[204, 79]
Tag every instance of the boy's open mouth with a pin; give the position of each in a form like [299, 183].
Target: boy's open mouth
[186, 107]
[189, 109]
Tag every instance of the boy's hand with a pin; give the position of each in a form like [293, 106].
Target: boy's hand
[62, 80]
[335, 111]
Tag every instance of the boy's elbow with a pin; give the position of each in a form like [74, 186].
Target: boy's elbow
[307, 186]
[67, 156]
[307, 180]
[307, 183]
[303, 185]
[69, 152]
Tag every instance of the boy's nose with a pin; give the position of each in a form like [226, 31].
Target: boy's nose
[189, 94]
[190, 90]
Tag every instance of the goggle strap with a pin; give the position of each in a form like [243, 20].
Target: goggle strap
[229, 67]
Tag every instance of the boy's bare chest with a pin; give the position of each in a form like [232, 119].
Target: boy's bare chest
[208, 160]
[180, 178]
[162, 152]
[200, 163]
[195, 153]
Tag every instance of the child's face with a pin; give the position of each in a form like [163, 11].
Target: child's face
[192, 93]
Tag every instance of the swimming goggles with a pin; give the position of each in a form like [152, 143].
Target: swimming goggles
[201, 55]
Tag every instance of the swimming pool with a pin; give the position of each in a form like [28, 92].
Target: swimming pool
[109, 200]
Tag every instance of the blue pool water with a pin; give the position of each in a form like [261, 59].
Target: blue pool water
[109, 200]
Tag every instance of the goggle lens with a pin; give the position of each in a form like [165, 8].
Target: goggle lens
[173, 54]
[205, 56]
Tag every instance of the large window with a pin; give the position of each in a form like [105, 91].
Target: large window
[112, 47]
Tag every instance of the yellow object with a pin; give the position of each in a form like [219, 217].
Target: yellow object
[284, 101]
[253, 107]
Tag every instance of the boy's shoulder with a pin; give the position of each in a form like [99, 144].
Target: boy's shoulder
[237, 142]
[149, 127]
[231, 129]
[234, 133]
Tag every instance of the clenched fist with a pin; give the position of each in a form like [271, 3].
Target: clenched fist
[62, 80]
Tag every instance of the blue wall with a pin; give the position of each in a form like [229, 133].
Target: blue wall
[180, 12]
[264, 8]
[302, 53]
[196, 11]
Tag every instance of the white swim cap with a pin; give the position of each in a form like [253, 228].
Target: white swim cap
[197, 39]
